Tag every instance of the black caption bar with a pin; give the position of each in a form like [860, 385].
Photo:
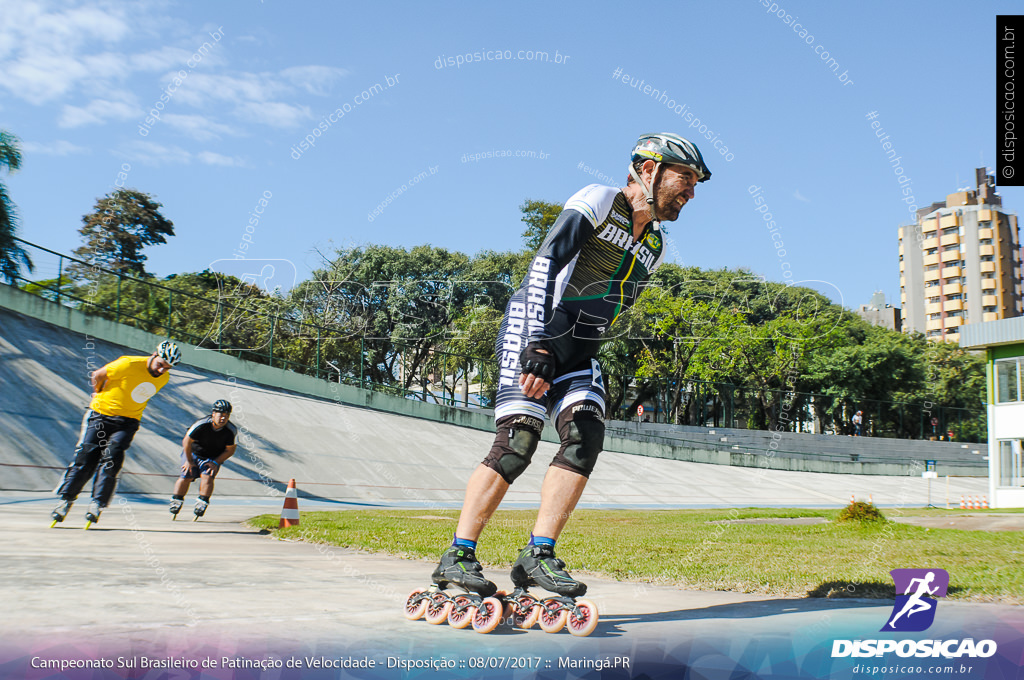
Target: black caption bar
[1009, 147]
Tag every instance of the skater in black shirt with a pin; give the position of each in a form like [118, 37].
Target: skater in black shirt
[205, 447]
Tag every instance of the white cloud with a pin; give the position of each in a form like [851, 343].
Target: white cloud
[274, 114]
[316, 80]
[40, 48]
[98, 111]
[151, 153]
[211, 158]
[199, 128]
[85, 58]
[204, 87]
[57, 147]
[166, 58]
[800, 197]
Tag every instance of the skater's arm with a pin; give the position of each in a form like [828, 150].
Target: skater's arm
[186, 446]
[98, 379]
[228, 452]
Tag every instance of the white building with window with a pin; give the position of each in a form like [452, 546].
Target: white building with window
[1003, 342]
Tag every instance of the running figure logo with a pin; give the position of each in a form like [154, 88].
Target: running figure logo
[914, 610]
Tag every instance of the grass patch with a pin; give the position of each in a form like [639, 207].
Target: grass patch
[707, 549]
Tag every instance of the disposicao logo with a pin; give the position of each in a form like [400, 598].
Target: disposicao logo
[914, 611]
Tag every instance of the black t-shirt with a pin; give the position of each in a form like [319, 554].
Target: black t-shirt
[208, 442]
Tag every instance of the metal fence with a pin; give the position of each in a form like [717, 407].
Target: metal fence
[232, 324]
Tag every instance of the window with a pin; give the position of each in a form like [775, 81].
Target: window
[931, 251]
[985, 242]
[1011, 462]
[933, 300]
[954, 296]
[933, 317]
[934, 334]
[950, 230]
[931, 267]
[955, 246]
[930, 284]
[988, 258]
[1007, 380]
[989, 308]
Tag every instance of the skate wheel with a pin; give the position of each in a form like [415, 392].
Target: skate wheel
[582, 620]
[462, 612]
[527, 612]
[487, 615]
[54, 523]
[414, 606]
[552, 616]
[88, 524]
[506, 610]
[437, 610]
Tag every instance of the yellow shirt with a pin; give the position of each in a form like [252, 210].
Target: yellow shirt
[128, 389]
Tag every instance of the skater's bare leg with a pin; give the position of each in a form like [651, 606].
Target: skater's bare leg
[484, 492]
[558, 498]
[206, 486]
[181, 487]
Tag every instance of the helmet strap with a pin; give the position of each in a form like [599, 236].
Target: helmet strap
[648, 191]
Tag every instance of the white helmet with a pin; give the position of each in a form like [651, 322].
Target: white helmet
[169, 352]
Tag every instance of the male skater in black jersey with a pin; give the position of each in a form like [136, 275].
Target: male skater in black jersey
[590, 268]
[207, 444]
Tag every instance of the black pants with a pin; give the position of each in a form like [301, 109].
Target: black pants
[102, 445]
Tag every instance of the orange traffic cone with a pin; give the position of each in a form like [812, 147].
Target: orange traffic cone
[984, 502]
[871, 499]
[290, 511]
[963, 503]
[852, 499]
[972, 503]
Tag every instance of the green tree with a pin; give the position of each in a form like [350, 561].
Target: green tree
[539, 217]
[122, 223]
[868, 367]
[12, 255]
[398, 304]
[676, 339]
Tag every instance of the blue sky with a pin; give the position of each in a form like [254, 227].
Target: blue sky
[78, 78]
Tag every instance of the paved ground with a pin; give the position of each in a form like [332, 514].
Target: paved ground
[139, 585]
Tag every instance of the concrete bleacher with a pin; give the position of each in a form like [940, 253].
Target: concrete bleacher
[950, 457]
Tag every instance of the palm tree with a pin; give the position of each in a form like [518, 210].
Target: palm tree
[12, 255]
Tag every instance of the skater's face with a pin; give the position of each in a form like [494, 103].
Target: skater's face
[219, 419]
[157, 366]
[674, 189]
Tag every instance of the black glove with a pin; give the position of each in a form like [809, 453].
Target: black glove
[538, 361]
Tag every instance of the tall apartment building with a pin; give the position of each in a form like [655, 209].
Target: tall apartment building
[960, 263]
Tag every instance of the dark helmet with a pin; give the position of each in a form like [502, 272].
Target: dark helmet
[665, 147]
[222, 406]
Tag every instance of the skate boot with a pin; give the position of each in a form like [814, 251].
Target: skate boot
[92, 515]
[175, 508]
[60, 512]
[476, 605]
[459, 566]
[538, 566]
[200, 509]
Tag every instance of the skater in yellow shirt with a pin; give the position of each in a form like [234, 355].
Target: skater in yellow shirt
[121, 390]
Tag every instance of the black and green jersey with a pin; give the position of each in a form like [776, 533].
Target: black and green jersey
[586, 273]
